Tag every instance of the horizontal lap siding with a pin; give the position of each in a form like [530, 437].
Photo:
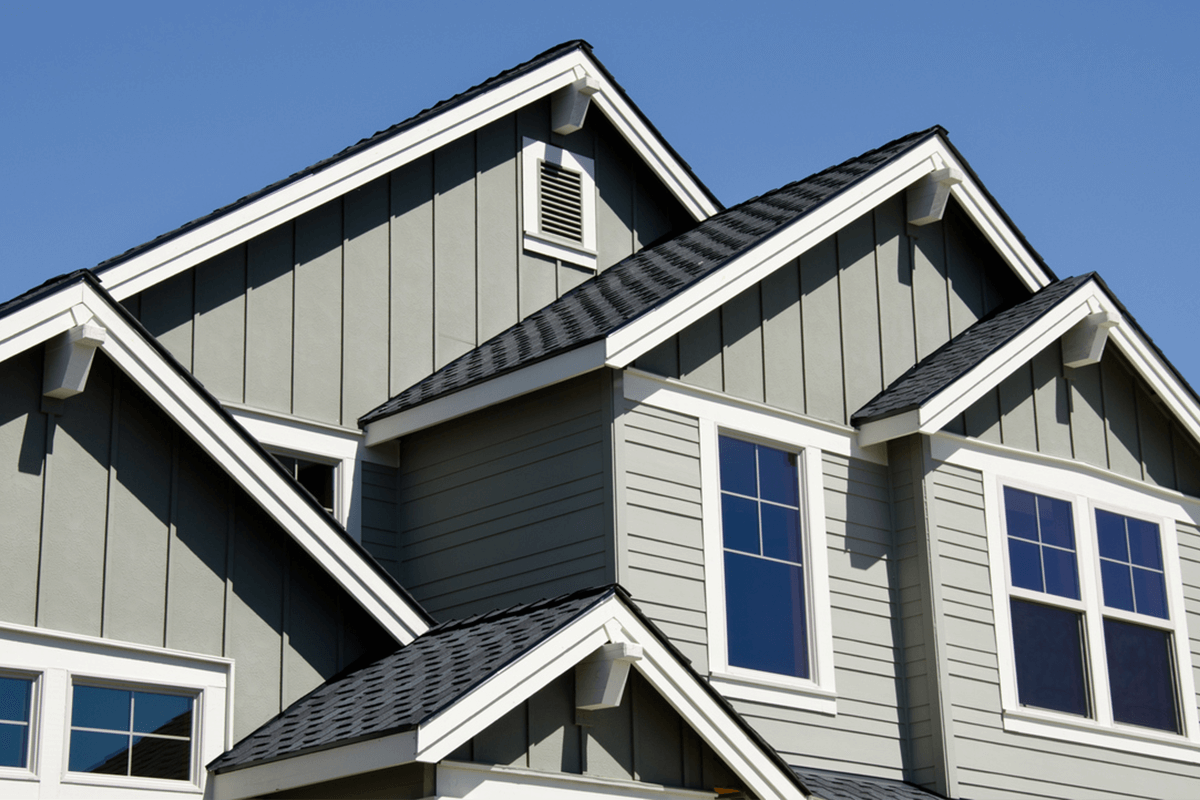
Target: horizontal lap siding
[145, 540]
[991, 762]
[825, 333]
[508, 505]
[329, 315]
[379, 514]
[664, 539]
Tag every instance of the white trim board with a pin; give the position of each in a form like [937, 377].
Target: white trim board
[610, 620]
[182, 252]
[1089, 298]
[319, 536]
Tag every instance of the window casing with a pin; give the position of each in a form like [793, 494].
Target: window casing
[558, 203]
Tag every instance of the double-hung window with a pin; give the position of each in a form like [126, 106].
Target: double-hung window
[16, 719]
[1092, 629]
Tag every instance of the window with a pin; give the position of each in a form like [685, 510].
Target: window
[1071, 644]
[765, 600]
[137, 733]
[320, 479]
[16, 713]
[559, 203]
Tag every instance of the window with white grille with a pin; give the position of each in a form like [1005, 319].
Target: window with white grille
[559, 204]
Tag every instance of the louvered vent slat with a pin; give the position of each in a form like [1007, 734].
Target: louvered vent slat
[561, 201]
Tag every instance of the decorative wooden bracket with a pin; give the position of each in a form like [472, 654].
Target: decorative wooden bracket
[600, 678]
[569, 105]
[69, 360]
[1084, 343]
[927, 197]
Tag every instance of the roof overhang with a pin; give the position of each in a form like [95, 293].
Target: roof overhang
[81, 302]
[623, 346]
[609, 622]
[1073, 316]
[294, 198]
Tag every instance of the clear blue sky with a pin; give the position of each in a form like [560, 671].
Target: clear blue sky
[123, 120]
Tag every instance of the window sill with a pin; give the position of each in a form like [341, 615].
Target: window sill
[802, 695]
[571, 254]
[1126, 738]
[17, 774]
[121, 782]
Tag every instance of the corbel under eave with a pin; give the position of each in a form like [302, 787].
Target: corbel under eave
[600, 678]
[927, 197]
[569, 105]
[69, 359]
[1084, 344]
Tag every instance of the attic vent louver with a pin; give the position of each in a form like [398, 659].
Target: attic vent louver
[560, 203]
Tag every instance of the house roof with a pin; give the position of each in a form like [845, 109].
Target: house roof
[54, 306]
[126, 274]
[944, 366]
[401, 690]
[829, 785]
[645, 280]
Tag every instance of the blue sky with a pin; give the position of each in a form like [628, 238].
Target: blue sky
[124, 120]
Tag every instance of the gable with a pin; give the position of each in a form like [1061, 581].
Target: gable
[1103, 414]
[329, 314]
[829, 330]
[119, 526]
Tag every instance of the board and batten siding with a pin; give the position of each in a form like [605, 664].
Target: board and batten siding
[115, 524]
[329, 315]
[824, 334]
[662, 566]
[510, 504]
[1103, 415]
[991, 763]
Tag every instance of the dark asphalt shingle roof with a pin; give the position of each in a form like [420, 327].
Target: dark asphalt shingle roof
[828, 785]
[625, 291]
[418, 118]
[948, 363]
[400, 691]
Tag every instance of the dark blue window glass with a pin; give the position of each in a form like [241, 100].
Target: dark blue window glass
[1048, 648]
[1041, 543]
[123, 732]
[1140, 675]
[1131, 567]
[16, 704]
[764, 558]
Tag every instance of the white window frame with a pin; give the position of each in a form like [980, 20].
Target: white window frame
[547, 244]
[1082, 485]
[719, 414]
[29, 771]
[60, 660]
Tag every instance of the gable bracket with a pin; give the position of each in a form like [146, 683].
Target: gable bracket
[600, 678]
[569, 105]
[69, 357]
[927, 197]
[1084, 343]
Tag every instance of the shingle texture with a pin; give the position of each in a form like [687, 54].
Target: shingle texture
[402, 690]
[625, 291]
[828, 785]
[952, 360]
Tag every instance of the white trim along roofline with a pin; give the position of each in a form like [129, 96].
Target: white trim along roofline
[79, 302]
[608, 621]
[1090, 298]
[289, 201]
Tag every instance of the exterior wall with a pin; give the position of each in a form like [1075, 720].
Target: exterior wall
[825, 334]
[379, 514]
[1102, 415]
[511, 504]
[408, 782]
[330, 315]
[662, 565]
[992, 763]
[643, 739]
[116, 525]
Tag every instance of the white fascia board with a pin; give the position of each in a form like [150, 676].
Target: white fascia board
[212, 431]
[290, 201]
[609, 621]
[504, 387]
[312, 768]
[649, 330]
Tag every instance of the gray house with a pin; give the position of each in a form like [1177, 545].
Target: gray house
[493, 457]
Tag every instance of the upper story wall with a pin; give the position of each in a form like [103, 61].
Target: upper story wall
[330, 315]
[115, 524]
[825, 334]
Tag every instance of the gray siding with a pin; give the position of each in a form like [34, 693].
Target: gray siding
[379, 514]
[1102, 415]
[643, 739]
[990, 762]
[116, 525]
[328, 316]
[826, 333]
[510, 504]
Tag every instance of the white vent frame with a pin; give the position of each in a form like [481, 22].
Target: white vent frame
[533, 153]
